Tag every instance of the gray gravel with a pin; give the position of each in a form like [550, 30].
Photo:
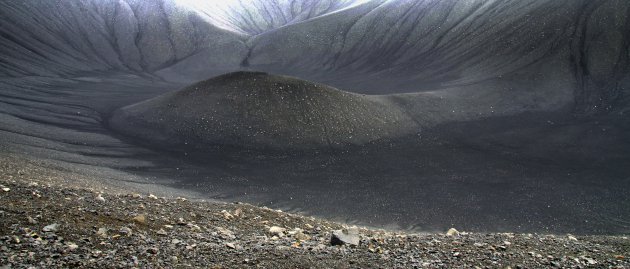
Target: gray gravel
[45, 226]
[51, 218]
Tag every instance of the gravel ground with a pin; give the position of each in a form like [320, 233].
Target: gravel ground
[45, 223]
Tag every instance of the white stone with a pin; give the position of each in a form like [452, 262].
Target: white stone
[51, 228]
[275, 230]
[452, 232]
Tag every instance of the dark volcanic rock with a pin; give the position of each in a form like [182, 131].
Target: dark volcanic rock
[258, 110]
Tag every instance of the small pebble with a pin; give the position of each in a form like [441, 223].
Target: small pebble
[452, 232]
[102, 232]
[51, 228]
[276, 230]
[140, 219]
[72, 246]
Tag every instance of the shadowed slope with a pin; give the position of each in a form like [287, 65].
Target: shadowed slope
[66, 38]
[260, 110]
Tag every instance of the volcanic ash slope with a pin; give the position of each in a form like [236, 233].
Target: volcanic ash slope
[258, 110]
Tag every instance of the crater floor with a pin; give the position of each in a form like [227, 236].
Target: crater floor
[482, 115]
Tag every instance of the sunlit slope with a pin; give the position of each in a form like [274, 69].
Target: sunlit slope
[255, 17]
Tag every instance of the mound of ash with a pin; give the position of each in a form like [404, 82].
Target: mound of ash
[262, 111]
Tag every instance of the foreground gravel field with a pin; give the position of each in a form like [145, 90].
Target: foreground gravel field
[45, 223]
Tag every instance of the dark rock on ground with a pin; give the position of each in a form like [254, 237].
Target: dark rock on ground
[345, 237]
